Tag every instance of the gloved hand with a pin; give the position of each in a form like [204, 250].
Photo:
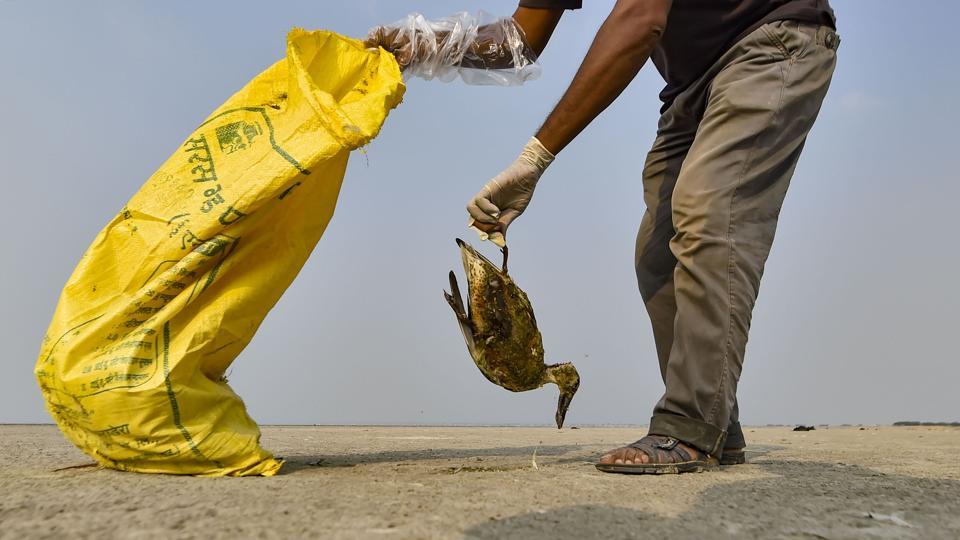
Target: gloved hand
[504, 198]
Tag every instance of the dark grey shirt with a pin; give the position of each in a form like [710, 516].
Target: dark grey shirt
[700, 31]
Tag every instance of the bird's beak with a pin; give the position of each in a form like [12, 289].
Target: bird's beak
[562, 405]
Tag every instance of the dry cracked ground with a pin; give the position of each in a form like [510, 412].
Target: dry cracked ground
[497, 482]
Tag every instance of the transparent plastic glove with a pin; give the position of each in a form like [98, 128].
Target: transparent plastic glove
[480, 49]
[504, 198]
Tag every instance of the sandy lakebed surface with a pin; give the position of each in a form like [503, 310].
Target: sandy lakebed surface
[481, 482]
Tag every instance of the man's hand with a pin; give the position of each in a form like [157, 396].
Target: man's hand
[504, 198]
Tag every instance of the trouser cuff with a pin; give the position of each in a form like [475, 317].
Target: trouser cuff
[735, 438]
[706, 437]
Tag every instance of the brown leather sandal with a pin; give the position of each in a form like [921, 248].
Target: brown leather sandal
[666, 457]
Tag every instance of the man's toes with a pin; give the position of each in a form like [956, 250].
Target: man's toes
[638, 456]
[611, 457]
[625, 456]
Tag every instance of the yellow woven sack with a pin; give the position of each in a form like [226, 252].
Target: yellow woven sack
[175, 286]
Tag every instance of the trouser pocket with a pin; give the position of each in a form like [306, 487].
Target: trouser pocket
[794, 39]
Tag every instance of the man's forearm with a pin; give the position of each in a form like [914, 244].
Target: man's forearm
[410, 44]
[538, 25]
[622, 45]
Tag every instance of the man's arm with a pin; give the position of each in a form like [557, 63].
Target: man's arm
[538, 25]
[621, 47]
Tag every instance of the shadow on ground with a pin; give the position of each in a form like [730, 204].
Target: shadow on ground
[296, 463]
[557, 455]
[801, 500]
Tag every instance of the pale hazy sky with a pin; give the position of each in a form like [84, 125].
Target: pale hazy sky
[857, 320]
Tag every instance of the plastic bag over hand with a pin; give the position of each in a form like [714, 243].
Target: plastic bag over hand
[480, 49]
[176, 284]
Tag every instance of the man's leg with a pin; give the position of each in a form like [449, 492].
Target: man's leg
[760, 104]
[654, 262]
[725, 208]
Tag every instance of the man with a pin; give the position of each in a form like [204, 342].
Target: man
[744, 84]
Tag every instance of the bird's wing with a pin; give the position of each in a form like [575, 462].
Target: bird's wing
[456, 303]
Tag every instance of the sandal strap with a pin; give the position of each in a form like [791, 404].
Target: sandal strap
[669, 444]
[662, 449]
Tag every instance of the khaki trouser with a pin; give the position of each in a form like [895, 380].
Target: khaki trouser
[714, 183]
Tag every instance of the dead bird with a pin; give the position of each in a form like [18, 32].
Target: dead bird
[501, 331]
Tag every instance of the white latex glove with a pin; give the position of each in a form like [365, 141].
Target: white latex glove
[504, 198]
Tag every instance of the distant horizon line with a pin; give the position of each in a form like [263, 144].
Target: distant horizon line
[899, 423]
